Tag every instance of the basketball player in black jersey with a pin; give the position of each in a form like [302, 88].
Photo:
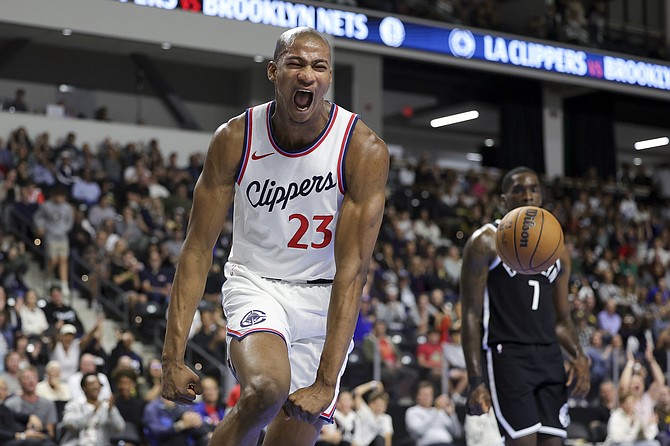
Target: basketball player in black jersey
[512, 327]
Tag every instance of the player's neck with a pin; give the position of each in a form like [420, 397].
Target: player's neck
[295, 136]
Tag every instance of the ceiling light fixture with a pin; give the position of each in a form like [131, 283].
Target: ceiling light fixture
[488, 142]
[166, 45]
[454, 119]
[651, 143]
[259, 59]
[67, 32]
[637, 161]
[475, 157]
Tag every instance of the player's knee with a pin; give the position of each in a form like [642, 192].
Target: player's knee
[263, 393]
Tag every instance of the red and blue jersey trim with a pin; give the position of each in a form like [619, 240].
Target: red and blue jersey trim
[341, 161]
[246, 150]
[307, 150]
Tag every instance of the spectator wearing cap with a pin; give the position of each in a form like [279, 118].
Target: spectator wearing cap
[54, 220]
[58, 313]
[67, 348]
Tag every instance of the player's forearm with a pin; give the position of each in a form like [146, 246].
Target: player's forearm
[342, 316]
[472, 345]
[189, 286]
[567, 336]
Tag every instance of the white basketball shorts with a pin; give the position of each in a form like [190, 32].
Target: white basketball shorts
[296, 312]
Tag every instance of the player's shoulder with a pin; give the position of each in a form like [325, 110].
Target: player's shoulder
[482, 240]
[366, 146]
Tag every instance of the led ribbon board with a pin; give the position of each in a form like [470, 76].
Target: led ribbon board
[445, 40]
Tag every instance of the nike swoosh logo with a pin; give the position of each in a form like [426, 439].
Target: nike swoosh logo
[255, 156]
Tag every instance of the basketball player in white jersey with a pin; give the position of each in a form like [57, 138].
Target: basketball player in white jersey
[513, 327]
[306, 179]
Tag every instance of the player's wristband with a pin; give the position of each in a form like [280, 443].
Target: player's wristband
[475, 381]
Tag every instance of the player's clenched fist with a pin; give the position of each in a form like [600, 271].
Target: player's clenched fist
[180, 383]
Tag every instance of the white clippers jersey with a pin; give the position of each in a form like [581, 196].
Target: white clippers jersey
[286, 203]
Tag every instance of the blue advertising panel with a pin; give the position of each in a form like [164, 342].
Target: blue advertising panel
[446, 40]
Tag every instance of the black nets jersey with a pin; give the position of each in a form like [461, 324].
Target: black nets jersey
[518, 308]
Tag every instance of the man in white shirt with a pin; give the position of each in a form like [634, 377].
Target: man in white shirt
[432, 425]
[86, 366]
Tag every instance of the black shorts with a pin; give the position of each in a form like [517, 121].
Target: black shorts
[528, 390]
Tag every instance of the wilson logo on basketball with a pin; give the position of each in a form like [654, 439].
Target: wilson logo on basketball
[528, 222]
[252, 318]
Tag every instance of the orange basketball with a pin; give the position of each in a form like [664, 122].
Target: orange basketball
[529, 239]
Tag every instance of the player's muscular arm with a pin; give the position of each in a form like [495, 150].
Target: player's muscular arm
[478, 252]
[211, 200]
[567, 332]
[358, 225]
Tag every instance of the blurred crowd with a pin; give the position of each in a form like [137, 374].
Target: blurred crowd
[121, 209]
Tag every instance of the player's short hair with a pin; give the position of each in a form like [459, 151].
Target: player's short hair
[287, 38]
[507, 179]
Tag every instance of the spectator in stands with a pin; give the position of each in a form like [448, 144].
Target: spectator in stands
[67, 347]
[124, 347]
[18, 104]
[54, 220]
[606, 402]
[458, 375]
[211, 408]
[341, 431]
[396, 377]
[87, 366]
[132, 228]
[429, 356]
[14, 267]
[32, 351]
[31, 403]
[374, 426]
[211, 336]
[153, 385]
[85, 189]
[58, 313]
[52, 387]
[103, 210]
[627, 427]
[179, 201]
[91, 421]
[19, 429]
[632, 383]
[662, 411]
[607, 289]
[432, 421]
[169, 424]
[391, 310]
[33, 320]
[12, 370]
[130, 405]
[157, 279]
[608, 319]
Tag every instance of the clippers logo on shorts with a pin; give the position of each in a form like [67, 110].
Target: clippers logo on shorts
[252, 318]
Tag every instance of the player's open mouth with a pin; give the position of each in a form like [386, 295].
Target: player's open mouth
[303, 99]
